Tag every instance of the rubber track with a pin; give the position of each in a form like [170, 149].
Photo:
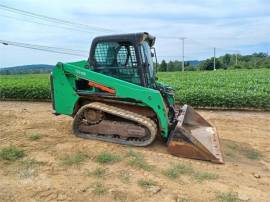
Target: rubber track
[142, 120]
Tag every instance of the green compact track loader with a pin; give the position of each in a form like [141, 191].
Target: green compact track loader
[115, 96]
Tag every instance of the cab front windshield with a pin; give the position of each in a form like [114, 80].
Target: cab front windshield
[148, 62]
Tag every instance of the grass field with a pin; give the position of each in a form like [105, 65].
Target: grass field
[230, 89]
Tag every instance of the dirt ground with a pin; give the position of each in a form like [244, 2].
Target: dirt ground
[42, 176]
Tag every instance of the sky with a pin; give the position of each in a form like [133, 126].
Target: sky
[232, 26]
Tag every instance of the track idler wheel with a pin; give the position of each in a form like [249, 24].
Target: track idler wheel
[93, 116]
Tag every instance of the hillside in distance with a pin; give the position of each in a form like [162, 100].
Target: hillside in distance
[27, 69]
[194, 62]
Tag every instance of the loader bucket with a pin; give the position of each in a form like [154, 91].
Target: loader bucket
[193, 137]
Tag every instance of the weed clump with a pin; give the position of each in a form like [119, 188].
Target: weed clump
[34, 136]
[99, 189]
[74, 159]
[29, 168]
[201, 176]
[107, 158]
[246, 151]
[227, 196]
[11, 153]
[98, 172]
[175, 170]
[178, 169]
[146, 183]
[137, 160]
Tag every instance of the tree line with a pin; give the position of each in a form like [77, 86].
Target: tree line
[227, 61]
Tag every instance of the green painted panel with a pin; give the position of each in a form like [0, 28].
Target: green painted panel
[66, 97]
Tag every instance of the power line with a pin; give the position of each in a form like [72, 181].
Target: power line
[54, 20]
[200, 43]
[45, 48]
[228, 50]
[66, 24]
[168, 37]
[79, 26]
[197, 42]
[47, 24]
[211, 47]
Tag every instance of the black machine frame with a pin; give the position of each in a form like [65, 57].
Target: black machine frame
[135, 39]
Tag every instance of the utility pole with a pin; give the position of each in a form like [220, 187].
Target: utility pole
[236, 60]
[214, 59]
[183, 53]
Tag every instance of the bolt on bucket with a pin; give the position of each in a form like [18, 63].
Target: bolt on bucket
[193, 137]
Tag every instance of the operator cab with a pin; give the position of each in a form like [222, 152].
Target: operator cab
[127, 57]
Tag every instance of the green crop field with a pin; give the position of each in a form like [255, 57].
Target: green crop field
[227, 88]
[223, 88]
[25, 87]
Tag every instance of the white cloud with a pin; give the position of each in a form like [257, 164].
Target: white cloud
[230, 25]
